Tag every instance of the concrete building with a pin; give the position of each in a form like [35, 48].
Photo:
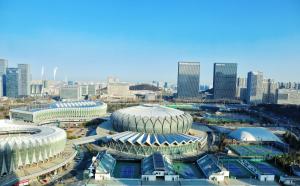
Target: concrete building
[71, 93]
[119, 89]
[12, 82]
[36, 89]
[269, 93]
[255, 87]
[25, 78]
[188, 80]
[241, 88]
[224, 82]
[288, 96]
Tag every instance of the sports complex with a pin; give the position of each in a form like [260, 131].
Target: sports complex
[145, 129]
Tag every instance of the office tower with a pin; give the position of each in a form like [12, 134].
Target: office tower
[241, 88]
[3, 66]
[288, 96]
[188, 80]
[12, 82]
[70, 93]
[224, 82]
[24, 84]
[254, 87]
[269, 87]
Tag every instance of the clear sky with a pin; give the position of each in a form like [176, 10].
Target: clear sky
[142, 40]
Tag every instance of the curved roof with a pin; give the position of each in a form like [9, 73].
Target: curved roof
[253, 134]
[70, 104]
[142, 139]
[11, 134]
[150, 110]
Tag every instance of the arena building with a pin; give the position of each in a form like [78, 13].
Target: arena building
[59, 111]
[253, 134]
[149, 128]
[24, 145]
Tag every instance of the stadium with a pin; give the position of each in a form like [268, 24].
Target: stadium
[145, 129]
[23, 145]
[59, 111]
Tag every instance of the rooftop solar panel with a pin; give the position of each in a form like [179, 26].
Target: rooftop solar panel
[158, 161]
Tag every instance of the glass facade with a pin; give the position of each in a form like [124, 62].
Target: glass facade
[24, 84]
[188, 80]
[224, 83]
[255, 87]
[12, 82]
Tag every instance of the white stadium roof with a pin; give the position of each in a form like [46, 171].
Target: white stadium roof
[253, 134]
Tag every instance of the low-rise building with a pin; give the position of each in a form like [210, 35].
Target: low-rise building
[158, 166]
[288, 96]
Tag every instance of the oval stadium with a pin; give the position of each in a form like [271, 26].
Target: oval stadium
[145, 129]
[59, 111]
[22, 145]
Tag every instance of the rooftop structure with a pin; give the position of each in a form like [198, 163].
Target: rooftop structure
[158, 165]
[211, 169]
[102, 165]
[253, 134]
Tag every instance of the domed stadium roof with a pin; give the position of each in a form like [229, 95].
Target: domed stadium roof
[253, 134]
[151, 118]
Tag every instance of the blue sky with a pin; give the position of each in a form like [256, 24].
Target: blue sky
[142, 40]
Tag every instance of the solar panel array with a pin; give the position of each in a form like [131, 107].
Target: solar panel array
[158, 160]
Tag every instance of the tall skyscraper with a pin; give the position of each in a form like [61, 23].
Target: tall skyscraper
[241, 88]
[12, 82]
[24, 84]
[255, 87]
[269, 94]
[3, 66]
[188, 80]
[224, 82]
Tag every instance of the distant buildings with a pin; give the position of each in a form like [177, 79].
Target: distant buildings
[224, 80]
[25, 78]
[71, 93]
[288, 96]
[118, 89]
[254, 87]
[12, 82]
[3, 66]
[188, 80]
[241, 88]
[269, 93]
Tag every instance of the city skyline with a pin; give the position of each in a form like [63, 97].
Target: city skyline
[116, 38]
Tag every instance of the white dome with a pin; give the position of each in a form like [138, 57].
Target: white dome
[151, 118]
[253, 134]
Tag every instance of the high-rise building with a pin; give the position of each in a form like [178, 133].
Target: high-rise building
[255, 87]
[24, 87]
[91, 90]
[269, 94]
[241, 88]
[3, 66]
[224, 83]
[12, 82]
[188, 80]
